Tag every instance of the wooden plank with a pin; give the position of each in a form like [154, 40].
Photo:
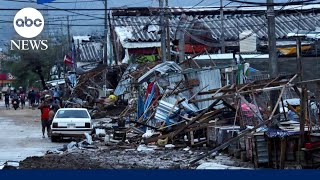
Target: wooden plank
[247, 131]
[191, 138]
[242, 93]
[206, 99]
[270, 155]
[174, 133]
[255, 153]
[249, 87]
[283, 148]
[271, 82]
[226, 144]
[197, 117]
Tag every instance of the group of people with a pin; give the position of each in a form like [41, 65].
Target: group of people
[48, 101]
[16, 95]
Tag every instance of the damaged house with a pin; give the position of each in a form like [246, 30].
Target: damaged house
[192, 104]
[203, 99]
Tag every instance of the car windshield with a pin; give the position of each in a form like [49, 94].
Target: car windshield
[72, 114]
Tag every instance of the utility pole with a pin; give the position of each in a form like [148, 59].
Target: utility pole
[163, 32]
[64, 65]
[303, 95]
[105, 55]
[273, 62]
[168, 31]
[223, 48]
[105, 32]
[272, 40]
[111, 46]
[180, 35]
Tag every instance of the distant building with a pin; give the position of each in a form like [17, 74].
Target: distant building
[6, 79]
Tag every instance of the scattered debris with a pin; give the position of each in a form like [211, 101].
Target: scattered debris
[200, 114]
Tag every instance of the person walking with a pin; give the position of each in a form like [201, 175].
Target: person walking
[45, 110]
[32, 98]
[23, 99]
[7, 100]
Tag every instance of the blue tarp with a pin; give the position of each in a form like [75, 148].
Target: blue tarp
[274, 133]
[140, 106]
[149, 100]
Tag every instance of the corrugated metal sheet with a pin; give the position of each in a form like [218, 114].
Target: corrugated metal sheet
[124, 84]
[164, 108]
[90, 52]
[261, 149]
[137, 26]
[210, 78]
[163, 68]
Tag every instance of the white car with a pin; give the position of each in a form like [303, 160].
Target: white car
[70, 122]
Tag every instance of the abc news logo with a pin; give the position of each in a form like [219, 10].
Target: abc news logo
[28, 23]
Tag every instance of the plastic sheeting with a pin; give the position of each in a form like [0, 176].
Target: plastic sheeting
[274, 133]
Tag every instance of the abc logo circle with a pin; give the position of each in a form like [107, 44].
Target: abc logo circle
[28, 22]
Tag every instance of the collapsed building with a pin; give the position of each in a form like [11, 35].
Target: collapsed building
[224, 102]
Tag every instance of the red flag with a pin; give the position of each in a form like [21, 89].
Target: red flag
[67, 60]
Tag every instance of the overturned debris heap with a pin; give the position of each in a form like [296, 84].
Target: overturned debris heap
[268, 122]
[196, 108]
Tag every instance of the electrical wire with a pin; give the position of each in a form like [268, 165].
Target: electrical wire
[227, 27]
[54, 2]
[273, 4]
[197, 4]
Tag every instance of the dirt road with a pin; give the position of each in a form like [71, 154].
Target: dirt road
[20, 135]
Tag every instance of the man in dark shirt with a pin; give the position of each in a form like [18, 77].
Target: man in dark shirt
[32, 98]
[7, 100]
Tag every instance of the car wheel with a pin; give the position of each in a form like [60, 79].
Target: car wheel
[54, 138]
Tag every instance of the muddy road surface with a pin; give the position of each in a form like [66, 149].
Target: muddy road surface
[21, 136]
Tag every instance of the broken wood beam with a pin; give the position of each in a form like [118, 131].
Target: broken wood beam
[226, 144]
[283, 149]
[174, 133]
[271, 81]
[146, 125]
[246, 87]
[245, 132]
[308, 81]
[197, 117]
[225, 103]
[218, 91]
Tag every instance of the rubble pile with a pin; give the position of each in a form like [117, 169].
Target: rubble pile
[169, 116]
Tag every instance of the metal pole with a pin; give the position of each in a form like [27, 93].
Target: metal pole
[223, 48]
[163, 32]
[273, 62]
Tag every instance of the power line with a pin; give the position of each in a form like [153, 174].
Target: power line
[158, 24]
[252, 5]
[63, 2]
[273, 4]
[197, 3]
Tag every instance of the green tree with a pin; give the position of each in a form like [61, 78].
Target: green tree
[32, 66]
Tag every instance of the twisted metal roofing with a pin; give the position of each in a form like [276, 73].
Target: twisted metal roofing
[147, 29]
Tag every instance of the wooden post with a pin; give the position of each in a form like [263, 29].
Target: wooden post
[270, 155]
[283, 148]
